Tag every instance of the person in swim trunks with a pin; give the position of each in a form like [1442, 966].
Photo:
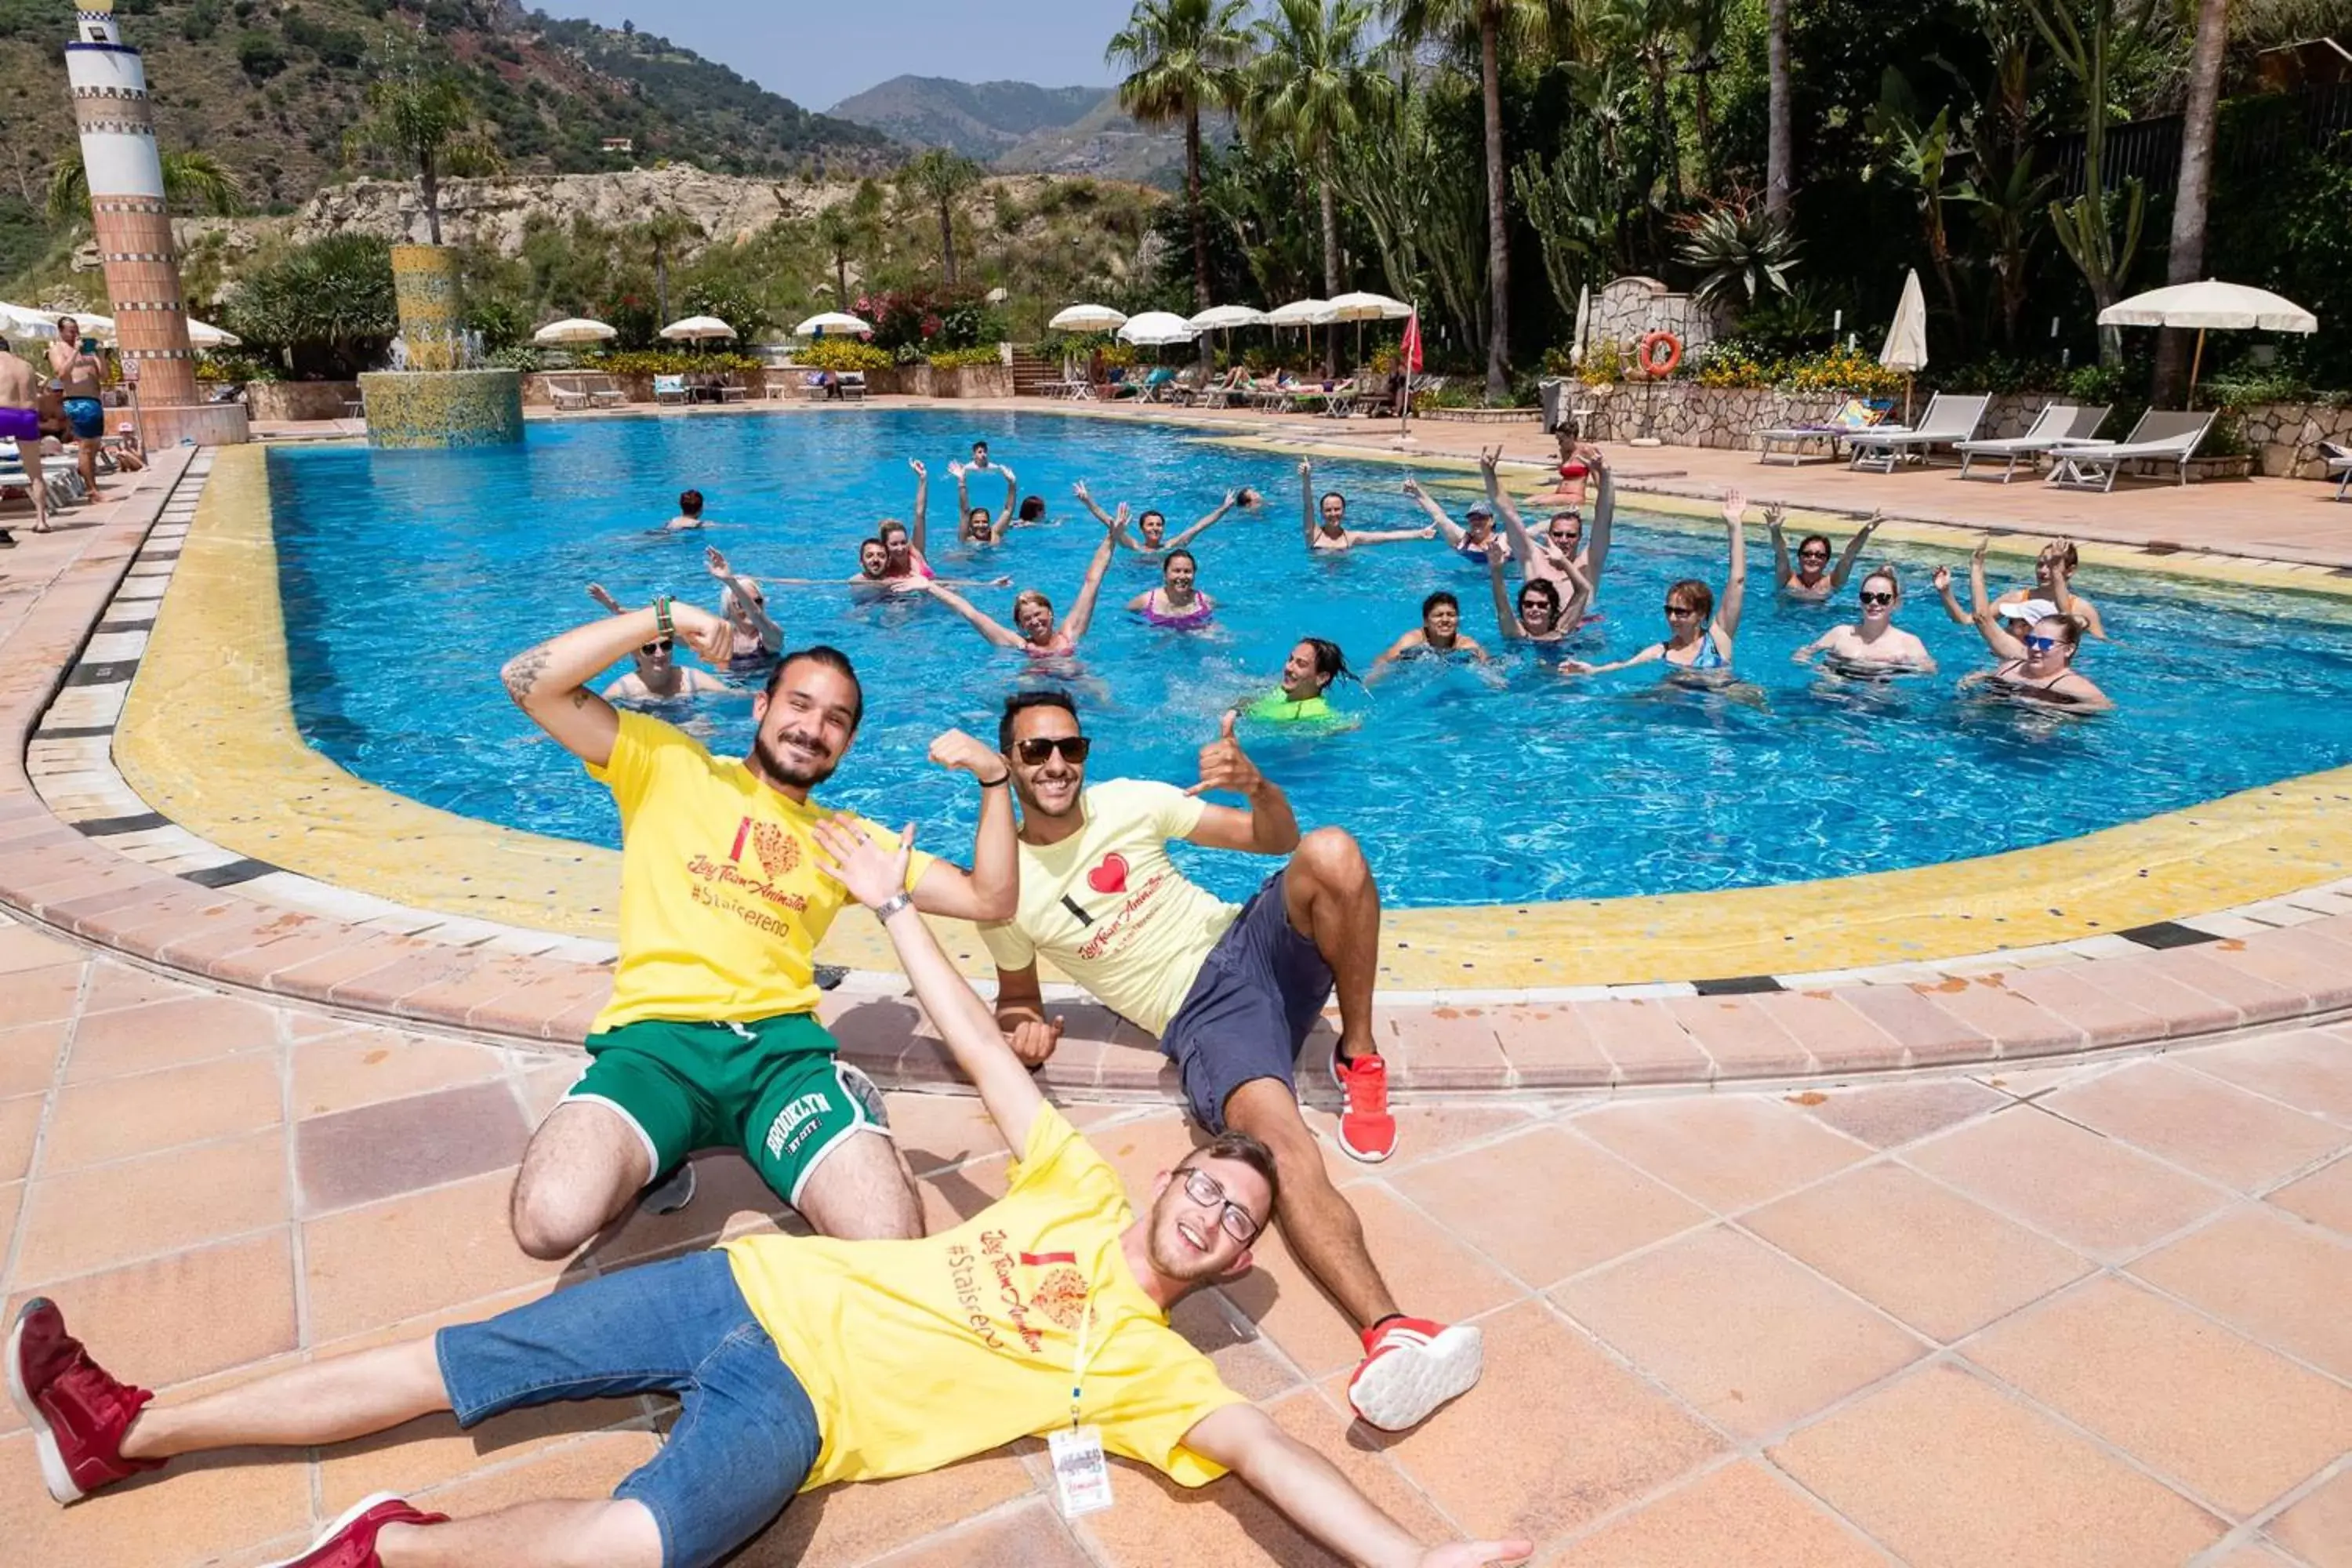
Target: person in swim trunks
[1230, 992]
[1562, 545]
[797, 1362]
[20, 421]
[1150, 535]
[711, 1036]
[73, 362]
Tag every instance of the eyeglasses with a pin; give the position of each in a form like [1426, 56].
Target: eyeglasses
[1204, 1189]
[2040, 644]
[1034, 750]
[1870, 598]
[1812, 555]
[659, 646]
[1678, 611]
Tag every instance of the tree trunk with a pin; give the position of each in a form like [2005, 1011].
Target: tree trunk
[1199, 225]
[2190, 203]
[1498, 216]
[429, 179]
[1662, 126]
[840, 280]
[1703, 124]
[661, 284]
[1779, 175]
[947, 241]
[1331, 272]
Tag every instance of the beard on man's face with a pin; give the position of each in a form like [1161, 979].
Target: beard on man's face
[790, 766]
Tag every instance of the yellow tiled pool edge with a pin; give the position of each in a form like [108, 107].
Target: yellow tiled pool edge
[208, 739]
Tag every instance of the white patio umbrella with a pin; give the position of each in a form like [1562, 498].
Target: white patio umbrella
[1087, 319]
[696, 328]
[204, 335]
[1907, 337]
[24, 321]
[1362, 308]
[831, 321]
[574, 330]
[2209, 306]
[1223, 318]
[1154, 328]
[1301, 314]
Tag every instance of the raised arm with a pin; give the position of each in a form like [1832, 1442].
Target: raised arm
[1116, 524]
[771, 635]
[1943, 580]
[1854, 547]
[549, 681]
[1996, 636]
[1735, 582]
[1267, 826]
[994, 631]
[611, 605]
[1011, 505]
[1452, 530]
[875, 877]
[1082, 614]
[919, 533]
[1391, 536]
[1310, 1492]
[1783, 573]
[1515, 528]
[1507, 620]
[1233, 498]
[991, 890]
[1604, 519]
[2061, 593]
[1307, 499]
[963, 493]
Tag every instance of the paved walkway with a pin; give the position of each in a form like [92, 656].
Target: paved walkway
[2088, 1316]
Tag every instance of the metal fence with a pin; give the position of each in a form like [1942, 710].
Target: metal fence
[2252, 135]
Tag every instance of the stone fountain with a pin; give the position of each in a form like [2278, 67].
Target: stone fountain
[437, 392]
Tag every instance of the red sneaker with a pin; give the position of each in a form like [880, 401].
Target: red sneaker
[1411, 1367]
[349, 1541]
[78, 1411]
[1367, 1130]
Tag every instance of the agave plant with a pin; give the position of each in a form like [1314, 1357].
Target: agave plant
[1738, 250]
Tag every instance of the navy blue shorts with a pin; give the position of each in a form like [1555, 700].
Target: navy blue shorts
[1258, 994]
[746, 1436]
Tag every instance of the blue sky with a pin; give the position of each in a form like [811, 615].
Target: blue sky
[818, 52]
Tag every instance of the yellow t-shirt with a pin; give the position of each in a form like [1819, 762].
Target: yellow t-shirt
[919, 1354]
[722, 903]
[1109, 908]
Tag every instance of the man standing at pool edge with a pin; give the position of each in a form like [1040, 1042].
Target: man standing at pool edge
[1231, 992]
[710, 1037]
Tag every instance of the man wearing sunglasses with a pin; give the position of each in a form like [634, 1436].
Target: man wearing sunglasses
[1230, 992]
[711, 1037]
[799, 1361]
[656, 677]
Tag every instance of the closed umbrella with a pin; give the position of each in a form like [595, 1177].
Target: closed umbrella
[1906, 338]
[2209, 306]
[696, 328]
[826, 321]
[574, 330]
[1583, 324]
[1087, 319]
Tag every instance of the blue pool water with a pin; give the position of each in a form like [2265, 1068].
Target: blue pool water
[409, 577]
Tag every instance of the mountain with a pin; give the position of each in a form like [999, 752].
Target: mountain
[271, 87]
[1015, 127]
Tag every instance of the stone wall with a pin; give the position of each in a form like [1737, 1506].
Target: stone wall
[299, 400]
[1628, 307]
[2283, 438]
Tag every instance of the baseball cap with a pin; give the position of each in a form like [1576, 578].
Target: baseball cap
[1479, 509]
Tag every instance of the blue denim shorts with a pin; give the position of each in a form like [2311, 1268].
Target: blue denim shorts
[746, 1436]
[1257, 995]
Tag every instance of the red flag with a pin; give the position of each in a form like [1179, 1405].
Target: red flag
[1410, 351]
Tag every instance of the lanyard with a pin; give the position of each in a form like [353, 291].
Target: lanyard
[1080, 1362]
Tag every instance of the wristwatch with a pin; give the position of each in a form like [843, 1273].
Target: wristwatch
[892, 905]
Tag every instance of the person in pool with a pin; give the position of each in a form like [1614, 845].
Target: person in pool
[1040, 635]
[1326, 519]
[758, 638]
[979, 456]
[2053, 591]
[1152, 525]
[690, 512]
[1541, 615]
[2037, 667]
[1700, 637]
[980, 527]
[657, 676]
[1176, 604]
[1305, 693]
[1440, 633]
[1812, 578]
[1561, 556]
[1873, 645]
[904, 547]
[1470, 537]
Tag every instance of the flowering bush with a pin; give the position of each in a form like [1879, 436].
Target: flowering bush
[1839, 370]
[1728, 364]
[1604, 362]
[667, 361]
[842, 354]
[963, 359]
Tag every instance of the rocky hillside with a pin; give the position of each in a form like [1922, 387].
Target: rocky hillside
[1015, 127]
[271, 87]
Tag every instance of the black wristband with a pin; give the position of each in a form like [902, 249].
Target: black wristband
[1005, 778]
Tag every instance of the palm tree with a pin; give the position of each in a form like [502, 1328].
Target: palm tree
[1779, 170]
[1182, 57]
[839, 234]
[1314, 90]
[665, 232]
[1490, 25]
[424, 119]
[939, 177]
[2190, 203]
[195, 179]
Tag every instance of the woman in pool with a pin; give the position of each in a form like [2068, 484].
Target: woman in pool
[1700, 637]
[1873, 644]
[1176, 604]
[1561, 556]
[1304, 696]
[1326, 519]
[1153, 525]
[978, 526]
[2053, 591]
[1812, 578]
[1039, 636]
[903, 548]
[1439, 634]
[2037, 667]
[758, 638]
[1471, 536]
[1540, 617]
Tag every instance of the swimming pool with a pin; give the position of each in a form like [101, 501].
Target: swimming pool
[409, 577]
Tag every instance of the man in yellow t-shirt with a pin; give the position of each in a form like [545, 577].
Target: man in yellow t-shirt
[802, 1361]
[711, 1037]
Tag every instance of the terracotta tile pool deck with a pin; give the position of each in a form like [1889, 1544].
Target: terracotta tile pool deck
[1826, 1274]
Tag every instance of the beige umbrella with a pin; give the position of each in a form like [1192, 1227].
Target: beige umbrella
[2209, 306]
[1362, 308]
[1907, 337]
[204, 335]
[1154, 328]
[574, 330]
[831, 321]
[694, 328]
[1087, 319]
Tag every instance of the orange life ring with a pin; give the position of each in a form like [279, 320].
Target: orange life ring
[1651, 366]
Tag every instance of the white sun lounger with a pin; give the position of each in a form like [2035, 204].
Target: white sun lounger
[2339, 462]
[1948, 421]
[2057, 422]
[2162, 435]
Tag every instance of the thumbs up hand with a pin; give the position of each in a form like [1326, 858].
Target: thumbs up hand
[1223, 766]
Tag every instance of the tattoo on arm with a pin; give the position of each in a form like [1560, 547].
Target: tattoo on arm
[523, 672]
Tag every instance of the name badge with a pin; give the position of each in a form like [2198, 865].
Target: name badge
[1081, 1474]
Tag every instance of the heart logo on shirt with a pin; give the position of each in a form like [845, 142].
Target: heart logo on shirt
[1110, 877]
[1062, 1296]
[779, 852]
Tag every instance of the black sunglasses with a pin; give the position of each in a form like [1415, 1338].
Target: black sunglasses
[1870, 598]
[1036, 750]
[1681, 610]
[661, 645]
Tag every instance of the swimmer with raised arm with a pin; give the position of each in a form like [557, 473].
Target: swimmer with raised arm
[1812, 578]
[1700, 637]
[1440, 633]
[1039, 636]
[1471, 536]
[978, 526]
[657, 676]
[1561, 555]
[2037, 667]
[2053, 591]
[1176, 604]
[902, 548]
[1540, 616]
[1152, 525]
[1873, 644]
[1325, 519]
[758, 640]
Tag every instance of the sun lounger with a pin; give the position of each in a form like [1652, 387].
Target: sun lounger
[1948, 421]
[2339, 461]
[853, 386]
[2162, 435]
[2057, 422]
[731, 389]
[1857, 414]
[602, 392]
[564, 392]
[670, 389]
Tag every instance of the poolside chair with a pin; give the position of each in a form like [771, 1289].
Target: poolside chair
[671, 389]
[853, 386]
[602, 392]
[2162, 435]
[730, 388]
[565, 392]
[1948, 421]
[2057, 422]
[1152, 387]
[1858, 414]
[2338, 458]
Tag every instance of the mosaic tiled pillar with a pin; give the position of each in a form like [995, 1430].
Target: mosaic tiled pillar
[133, 232]
[431, 322]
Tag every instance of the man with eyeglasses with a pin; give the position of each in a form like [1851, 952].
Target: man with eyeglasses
[710, 1037]
[1231, 992]
[799, 1362]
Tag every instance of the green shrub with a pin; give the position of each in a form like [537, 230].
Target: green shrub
[328, 302]
[842, 354]
[259, 55]
[966, 359]
[668, 362]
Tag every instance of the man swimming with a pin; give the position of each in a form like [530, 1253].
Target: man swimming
[1562, 544]
[690, 512]
[656, 676]
[1152, 525]
[1440, 633]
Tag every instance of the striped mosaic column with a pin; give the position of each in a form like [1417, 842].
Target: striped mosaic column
[134, 231]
